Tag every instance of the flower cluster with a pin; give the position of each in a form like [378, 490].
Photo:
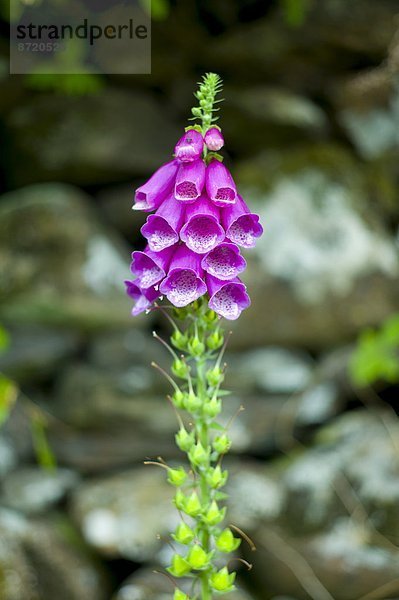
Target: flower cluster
[193, 237]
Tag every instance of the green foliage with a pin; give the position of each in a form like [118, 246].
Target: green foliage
[376, 357]
[295, 11]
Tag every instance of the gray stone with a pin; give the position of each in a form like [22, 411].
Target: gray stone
[59, 263]
[321, 254]
[88, 139]
[45, 560]
[34, 490]
[36, 352]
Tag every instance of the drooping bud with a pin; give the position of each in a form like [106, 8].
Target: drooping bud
[198, 455]
[223, 581]
[226, 542]
[213, 407]
[221, 444]
[198, 558]
[177, 476]
[193, 505]
[214, 139]
[214, 515]
[216, 478]
[183, 534]
[185, 440]
[179, 567]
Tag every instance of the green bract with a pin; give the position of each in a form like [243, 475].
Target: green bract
[226, 542]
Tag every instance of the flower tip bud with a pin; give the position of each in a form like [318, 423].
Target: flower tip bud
[214, 139]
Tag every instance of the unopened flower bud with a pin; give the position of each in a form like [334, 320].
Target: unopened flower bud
[185, 440]
[183, 534]
[216, 478]
[178, 399]
[213, 516]
[179, 567]
[210, 316]
[226, 542]
[198, 455]
[177, 476]
[214, 139]
[196, 111]
[195, 347]
[221, 444]
[192, 505]
[179, 340]
[180, 368]
[213, 407]
[180, 500]
[215, 340]
[198, 558]
[192, 402]
[214, 376]
[223, 581]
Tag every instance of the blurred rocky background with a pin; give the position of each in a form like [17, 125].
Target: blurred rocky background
[311, 121]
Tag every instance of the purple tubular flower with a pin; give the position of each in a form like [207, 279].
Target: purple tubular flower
[162, 229]
[227, 298]
[184, 282]
[214, 139]
[190, 181]
[202, 231]
[242, 227]
[220, 185]
[152, 193]
[150, 267]
[143, 298]
[190, 146]
[224, 262]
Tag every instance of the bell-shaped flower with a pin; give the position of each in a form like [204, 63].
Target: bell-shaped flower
[162, 228]
[190, 146]
[242, 227]
[227, 298]
[190, 181]
[214, 139]
[224, 262]
[143, 297]
[150, 267]
[202, 230]
[152, 193]
[184, 282]
[220, 185]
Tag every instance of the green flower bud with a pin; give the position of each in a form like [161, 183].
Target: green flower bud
[214, 376]
[177, 476]
[210, 316]
[213, 408]
[195, 347]
[226, 542]
[222, 443]
[180, 368]
[213, 516]
[183, 534]
[192, 505]
[179, 340]
[185, 440]
[180, 500]
[198, 455]
[179, 595]
[198, 558]
[216, 478]
[222, 581]
[215, 340]
[196, 111]
[192, 402]
[179, 567]
[178, 399]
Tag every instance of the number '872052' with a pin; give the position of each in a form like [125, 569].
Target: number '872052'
[40, 47]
